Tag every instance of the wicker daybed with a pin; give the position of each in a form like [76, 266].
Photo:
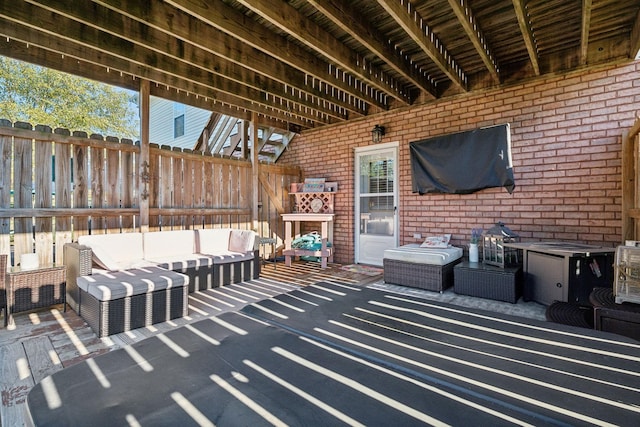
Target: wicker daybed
[418, 267]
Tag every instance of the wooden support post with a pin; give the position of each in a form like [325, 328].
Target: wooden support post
[143, 161]
[255, 170]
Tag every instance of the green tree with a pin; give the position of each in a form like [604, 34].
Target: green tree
[39, 95]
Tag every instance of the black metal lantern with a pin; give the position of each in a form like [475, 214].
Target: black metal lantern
[377, 133]
[493, 250]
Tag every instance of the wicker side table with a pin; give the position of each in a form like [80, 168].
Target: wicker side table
[37, 288]
[477, 279]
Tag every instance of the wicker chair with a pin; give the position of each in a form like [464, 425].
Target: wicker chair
[3, 287]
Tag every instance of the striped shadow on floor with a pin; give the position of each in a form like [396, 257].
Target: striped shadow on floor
[332, 353]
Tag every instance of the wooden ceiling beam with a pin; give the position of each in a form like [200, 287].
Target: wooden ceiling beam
[634, 48]
[106, 20]
[289, 20]
[411, 23]
[527, 34]
[584, 31]
[176, 23]
[112, 52]
[346, 18]
[50, 51]
[471, 27]
[224, 18]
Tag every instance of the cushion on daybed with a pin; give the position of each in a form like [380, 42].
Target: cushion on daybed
[117, 251]
[161, 245]
[111, 285]
[414, 253]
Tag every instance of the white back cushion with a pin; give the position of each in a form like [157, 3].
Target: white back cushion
[114, 251]
[213, 240]
[159, 244]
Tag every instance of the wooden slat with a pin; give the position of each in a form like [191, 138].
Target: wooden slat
[6, 143]
[198, 188]
[98, 186]
[22, 196]
[112, 186]
[80, 189]
[154, 189]
[225, 191]
[211, 190]
[62, 198]
[187, 190]
[178, 192]
[128, 185]
[165, 178]
[43, 199]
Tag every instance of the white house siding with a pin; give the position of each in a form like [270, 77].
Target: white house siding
[161, 124]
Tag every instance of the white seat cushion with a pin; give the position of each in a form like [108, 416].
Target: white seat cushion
[117, 251]
[414, 253]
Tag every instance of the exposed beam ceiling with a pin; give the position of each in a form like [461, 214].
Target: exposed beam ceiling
[304, 64]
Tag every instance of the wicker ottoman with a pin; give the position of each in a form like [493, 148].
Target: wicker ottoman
[487, 281]
[424, 268]
[115, 302]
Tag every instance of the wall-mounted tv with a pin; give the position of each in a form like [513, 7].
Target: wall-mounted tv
[463, 162]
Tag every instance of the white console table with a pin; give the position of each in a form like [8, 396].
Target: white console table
[325, 253]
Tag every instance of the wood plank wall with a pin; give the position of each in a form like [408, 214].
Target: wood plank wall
[630, 179]
[56, 186]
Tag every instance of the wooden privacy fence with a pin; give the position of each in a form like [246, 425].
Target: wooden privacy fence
[630, 180]
[56, 186]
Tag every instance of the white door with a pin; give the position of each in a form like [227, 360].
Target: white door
[376, 202]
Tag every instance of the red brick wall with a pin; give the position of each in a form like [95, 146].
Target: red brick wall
[566, 136]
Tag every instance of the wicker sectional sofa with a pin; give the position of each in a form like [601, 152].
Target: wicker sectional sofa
[119, 282]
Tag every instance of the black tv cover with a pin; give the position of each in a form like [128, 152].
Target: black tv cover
[463, 162]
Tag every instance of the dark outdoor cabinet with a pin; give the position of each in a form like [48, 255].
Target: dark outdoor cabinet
[556, 271]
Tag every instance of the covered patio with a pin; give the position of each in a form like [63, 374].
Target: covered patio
[562, 75]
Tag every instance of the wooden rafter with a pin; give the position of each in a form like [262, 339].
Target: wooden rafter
[527, 34]
[471, 27]
[410, 23]
[345, 17]
[259, 37]
[288, 19]
[226, 48]
[74, 65]
[302, 64]
[202, 144]
[584, 36]
[634, 48]
[125, 35]
[131, 59]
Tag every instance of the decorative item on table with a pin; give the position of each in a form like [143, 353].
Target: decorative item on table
[441, 241]
[493, 250]
[627, 274]
[473, 244]
[311, 242]
[313, 185]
